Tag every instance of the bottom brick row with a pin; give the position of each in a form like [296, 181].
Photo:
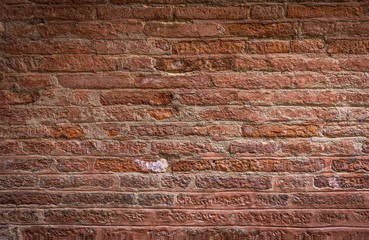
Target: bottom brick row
[170, 233]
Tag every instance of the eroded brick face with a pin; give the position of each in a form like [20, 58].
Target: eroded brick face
[184, 119]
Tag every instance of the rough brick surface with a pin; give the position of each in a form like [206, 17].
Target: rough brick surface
[184, 119]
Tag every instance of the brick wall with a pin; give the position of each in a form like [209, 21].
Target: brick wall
[174, 119]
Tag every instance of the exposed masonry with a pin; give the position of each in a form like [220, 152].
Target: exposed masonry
[184, 119]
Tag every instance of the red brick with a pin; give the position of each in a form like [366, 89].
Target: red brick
[91, 29]
[211, 12]
[139, 182]
[71, 165]
[325, 98]
[77, 182]
[183, 147]
[29, 165]
[75, 147]
[19, 216]
[156, 199]
[177, 65]
[180, 182]
[146, 13]
[307, 46]
[255, 80]
[267, 12]
[38, 147]
[131, 165]
[250, 183]
[345, 28]
[234, 113]
[29, 198]
[29, 12]
[209, 97]
[214, 200]
[123, 147]
[298, 147]
[342, 182]
[287, 165]
[153, 130]
[196, 29]
[291, 183]
[328, 200]
[209, 47]
[136, 97]
[348, 46]
[68, 132]
[253, 147]
[185, 81]
[15, 181]
[280, 130]
[96, 81]
[212, 130]
[98, 199]
[271, 200]
[226, 165]
[312, 11]
[48, 47]
[68, 233]
[261, 30]
[263, 47]
[350, 165]
[161, 114]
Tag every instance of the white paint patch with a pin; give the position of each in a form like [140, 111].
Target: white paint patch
[158, 166]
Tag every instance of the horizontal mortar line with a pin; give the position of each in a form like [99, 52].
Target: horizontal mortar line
[217, 225]
[193, 227]
[168, 208]
[192, 191]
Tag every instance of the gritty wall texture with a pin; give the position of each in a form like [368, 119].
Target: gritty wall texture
[173, 119]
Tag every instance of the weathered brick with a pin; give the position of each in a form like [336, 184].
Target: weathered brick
[195, 29]
[261, 30]
[350, 165]
[137, 97]
[342, 182]
[263, 47]
[67, 233]
[29, 165]
[101, 199]
[30, 198]
[180, 182]
[226, 165]
[209, 97]
[131, 165]
[161, 114]
[92, 29]
[280, 130]
[184, 148]
[96, 81]
[185, 81]
[253, 147]
[46, 12]
[267, 12]
[348, 46]
[157, 199]
[18, 216]
[15, 181]
[211, 12]
[287, 165]
[71, 182]
[68, 132]
[251, 183]
[209, 47]
[71, 165]
[146, 13]
[139, 182]
[306, 11]
[307, 46]
[177, 65]
[298, 147]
